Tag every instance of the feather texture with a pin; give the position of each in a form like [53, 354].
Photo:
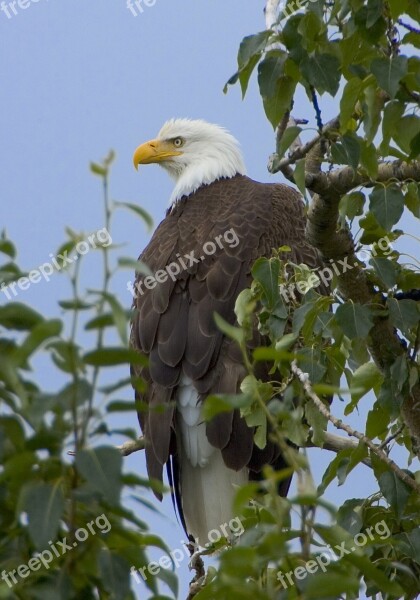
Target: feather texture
[189, 358]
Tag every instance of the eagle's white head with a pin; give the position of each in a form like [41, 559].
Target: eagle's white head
[194, 153]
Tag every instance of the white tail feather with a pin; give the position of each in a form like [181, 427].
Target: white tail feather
[207, 495]
[208, 486]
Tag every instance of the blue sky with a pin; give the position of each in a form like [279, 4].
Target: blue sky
[79, 78]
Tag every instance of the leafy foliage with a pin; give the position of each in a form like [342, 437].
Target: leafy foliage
[319, 324]
[362, 57]
[47, 497]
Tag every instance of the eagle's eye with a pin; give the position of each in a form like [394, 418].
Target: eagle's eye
[178, 142]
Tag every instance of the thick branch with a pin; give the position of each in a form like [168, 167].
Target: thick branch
[332, 442]
[336, 443]
[132, 446]
[321, 231]
[271, 12]
[338, 423]
[341, 181]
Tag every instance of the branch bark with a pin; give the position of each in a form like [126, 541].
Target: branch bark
[271, 13]
[132, 446]
[335, 244]
[338, 423]
[334, 443]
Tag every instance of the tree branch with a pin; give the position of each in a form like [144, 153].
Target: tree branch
[341, 181]
[271, 13]
[338, 423]
[301, 151]
[336, 443]
[408, 26]
[332, 442]
[384, 343]
[131, 446]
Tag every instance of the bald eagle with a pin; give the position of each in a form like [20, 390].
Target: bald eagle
[218, 223]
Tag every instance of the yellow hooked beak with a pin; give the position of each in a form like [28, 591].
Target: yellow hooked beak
[154, 151]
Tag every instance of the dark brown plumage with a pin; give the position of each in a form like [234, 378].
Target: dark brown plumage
[173, 323]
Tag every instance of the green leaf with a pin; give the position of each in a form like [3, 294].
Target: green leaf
[377, 422]
[349, 99]
[250, 51]
[372, 116]
[277, 105]
[287, 139]
[354, 319]
[98, 169]
[346, 152]
[7, 247]
[406, 132]
[18, 316]
[410, 543]
[387, 205]
[369, 159]
[244, 306]
[399, 373]
[336, 468]
[101, 468]
[75, 304]
[121, 406]
[107, 357]
[415, 146]
[38, 335]
[310, 362]
[104, 320]
[140, 212]
[395, 491]
[397, 7]
[412, 199]
[266, 272]
[235, 333]
[216, 404]
[44, 505]
[351, 205]
[317, 422]
[386, 270]
[412, 38]
[322, 71]
[336, 535]
[392, 115]
[119, 316]
[115, 574]
[331, 585]
[389, 72]
[363, 380]
[270, 69]
[404, 314]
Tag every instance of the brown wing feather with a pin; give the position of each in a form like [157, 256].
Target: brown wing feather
[173, 323]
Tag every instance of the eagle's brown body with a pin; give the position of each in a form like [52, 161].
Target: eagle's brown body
[173, 323]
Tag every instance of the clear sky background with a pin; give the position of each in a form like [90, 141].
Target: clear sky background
[79, 78]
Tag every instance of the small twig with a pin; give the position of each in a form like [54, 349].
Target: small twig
[408, 26]
[126, 449]
[302, 150]
[332, 442]
[284, 123]
[318, 115]
[338, 423]
[392, 437]
[197, 582]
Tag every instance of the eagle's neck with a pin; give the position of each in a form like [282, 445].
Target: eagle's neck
[205, 172]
